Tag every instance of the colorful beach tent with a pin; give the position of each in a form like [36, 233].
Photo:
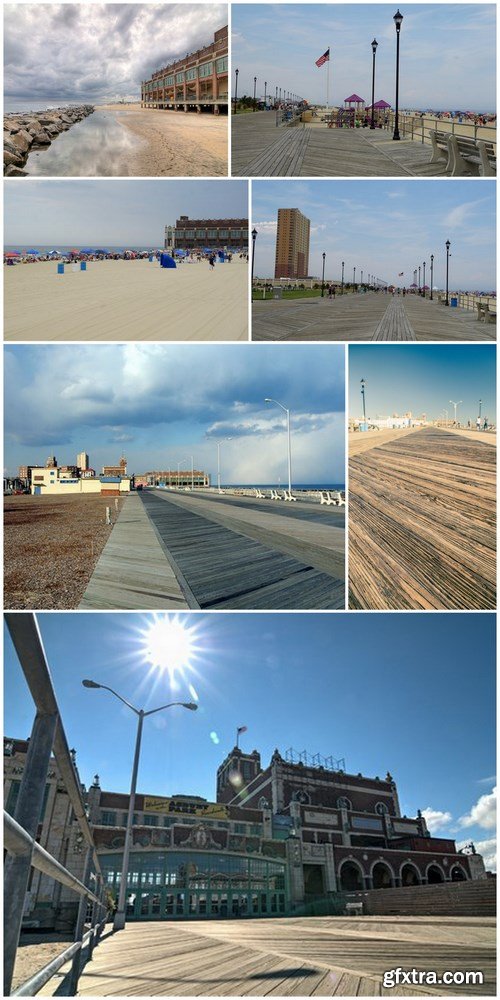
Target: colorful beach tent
[354, 99]
[12, 253]
[32, 253]
[167, 261]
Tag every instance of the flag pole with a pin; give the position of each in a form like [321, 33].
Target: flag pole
[328, 78]
[237, 739]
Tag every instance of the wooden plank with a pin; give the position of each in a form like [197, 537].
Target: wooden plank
[394, 324]
[422, 524]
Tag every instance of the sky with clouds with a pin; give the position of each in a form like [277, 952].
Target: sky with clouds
[99, 213]
[382, 228]
[280, 44]
[160, 404]
[423, 378]
[421, 705]
[93, 52]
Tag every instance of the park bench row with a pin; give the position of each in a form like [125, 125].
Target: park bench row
[463, 155]
[328, 497]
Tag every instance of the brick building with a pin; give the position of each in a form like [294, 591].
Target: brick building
[197, 82]
[192, 234]
[173, 477]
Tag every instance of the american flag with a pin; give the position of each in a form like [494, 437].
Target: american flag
[323, 59]
[242, 729]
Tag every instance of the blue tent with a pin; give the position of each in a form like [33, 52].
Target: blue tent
[180, 253]
[167, 261]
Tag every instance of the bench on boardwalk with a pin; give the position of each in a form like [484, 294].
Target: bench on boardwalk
[463, 155]
[485, 314]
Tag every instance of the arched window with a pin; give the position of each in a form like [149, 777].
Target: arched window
[381, 809]
[343, 803]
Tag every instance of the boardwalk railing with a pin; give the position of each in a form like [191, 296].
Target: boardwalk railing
[20, 831]
[419, 129]
[468, 301]
[287, 117]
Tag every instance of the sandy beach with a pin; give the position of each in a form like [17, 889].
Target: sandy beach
[174, 143]
[127, 300]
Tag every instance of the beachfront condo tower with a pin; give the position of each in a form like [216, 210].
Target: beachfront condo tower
[292, 244]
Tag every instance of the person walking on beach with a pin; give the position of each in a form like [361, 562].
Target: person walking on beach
[211, 261]
[478, 423]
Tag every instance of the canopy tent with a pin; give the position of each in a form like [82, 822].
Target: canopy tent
[379, 106]
[54, 253]
[354, 99]
[12, 253]
[167, 261]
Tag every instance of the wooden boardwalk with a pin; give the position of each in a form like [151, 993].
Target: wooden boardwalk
[315, 956]
[260, 149]
[133, 572]
[219, 567]
[422, 524]
[365, 316]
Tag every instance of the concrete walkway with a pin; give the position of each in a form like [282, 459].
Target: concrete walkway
[133, 572]
[365, 316]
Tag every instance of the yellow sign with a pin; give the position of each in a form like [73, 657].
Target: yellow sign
[208, 810]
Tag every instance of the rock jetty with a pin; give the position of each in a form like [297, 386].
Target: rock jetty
[35, 130]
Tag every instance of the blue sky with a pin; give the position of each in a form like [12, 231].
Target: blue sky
[423, 378]
[280, 43]
[414, 694]
[384, 228]
[161, 403]
[97, 52]
[99, 213]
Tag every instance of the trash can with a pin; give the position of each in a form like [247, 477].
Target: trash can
[60, 268]
[277, 293]
[454, 301]
[83, 265]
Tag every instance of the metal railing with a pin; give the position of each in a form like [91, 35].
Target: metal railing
[20, 831]
[419, 129]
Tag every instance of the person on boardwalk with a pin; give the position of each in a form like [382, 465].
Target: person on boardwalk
[331, 291]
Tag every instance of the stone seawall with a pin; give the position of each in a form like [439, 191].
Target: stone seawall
[35, 130]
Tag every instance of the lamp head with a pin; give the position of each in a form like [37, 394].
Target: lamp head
[190, 705]
[447, 244]
[254, 234]
[90, 684]
[398, 20]
[374, 45]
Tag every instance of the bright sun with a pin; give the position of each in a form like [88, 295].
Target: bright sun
[169, 645]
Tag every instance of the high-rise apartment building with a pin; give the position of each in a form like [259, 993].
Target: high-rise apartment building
[82, 461]
[292, 244]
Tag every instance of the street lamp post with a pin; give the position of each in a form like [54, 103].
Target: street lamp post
[342, 285]
[276, 98]
[447, 245]
[374, 50]
[192, 472]
[254, 237]
[120, 914]
[419, 280]
[363, 383]
[432, 274]
[480, 404]
[254, 88]
[354, 277]
[287, 411]
[265, 94]
[218, 461]
[423, 289]
[361, 277]
[179, 470]
[323, 276]
[236, 73]
[455, 405]
[398, 19]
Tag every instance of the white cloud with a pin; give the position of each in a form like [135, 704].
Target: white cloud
[483, 813]
[436, 819]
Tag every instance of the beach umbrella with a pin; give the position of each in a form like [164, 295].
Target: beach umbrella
[12, 253]
[32, 253]
[87, 250]
[54, 253]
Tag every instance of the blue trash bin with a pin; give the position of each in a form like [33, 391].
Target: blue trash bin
[454, 301]
[60, 268]
[83, 265]
[151, 259]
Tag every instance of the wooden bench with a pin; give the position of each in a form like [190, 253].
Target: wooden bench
[463, 155]
[484, 313]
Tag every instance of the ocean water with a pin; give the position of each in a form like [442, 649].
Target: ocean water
[22, 105]
[283, 485]
[65, 249]
[98, 146]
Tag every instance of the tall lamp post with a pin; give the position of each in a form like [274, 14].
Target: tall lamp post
[120, 914]
[363, 383]
[254, 88]
[354, 277]
[480, 404]
[218, 461]
[423, 289]
[419, 286]
[432, 275]
[447, 245]
[254, 237]
[323, 276]
[287, 411]
[398, 20]
[374, 50]
[455, 405]
[236, 73]
[342, 285]
[265, 94]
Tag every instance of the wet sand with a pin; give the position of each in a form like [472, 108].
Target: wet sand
[175, 143]
[127, 300]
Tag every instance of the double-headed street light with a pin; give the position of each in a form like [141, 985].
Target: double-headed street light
[455, 405]
[398, 20]
[120, 914]
[218, 460]
[374, 50]
[287, 411]
[363, 383]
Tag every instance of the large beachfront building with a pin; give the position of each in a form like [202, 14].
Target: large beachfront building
[173, 477]
[53, 479]
[198, 82]
[292, 244]
[193, 234]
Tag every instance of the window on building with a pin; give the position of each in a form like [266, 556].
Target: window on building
[240, 828]
[12, 797]
[201, 234]
[169, 80]
[221, 64]
[206, 70]
[343, 803]
[108, 818]
[236, 234]
[191, 74]
[223, 233]
[381, 809]
[179, 77]
[150, 820]
[212, 234]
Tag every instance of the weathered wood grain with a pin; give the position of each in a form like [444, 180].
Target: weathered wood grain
[422, 524]
[394, 324]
